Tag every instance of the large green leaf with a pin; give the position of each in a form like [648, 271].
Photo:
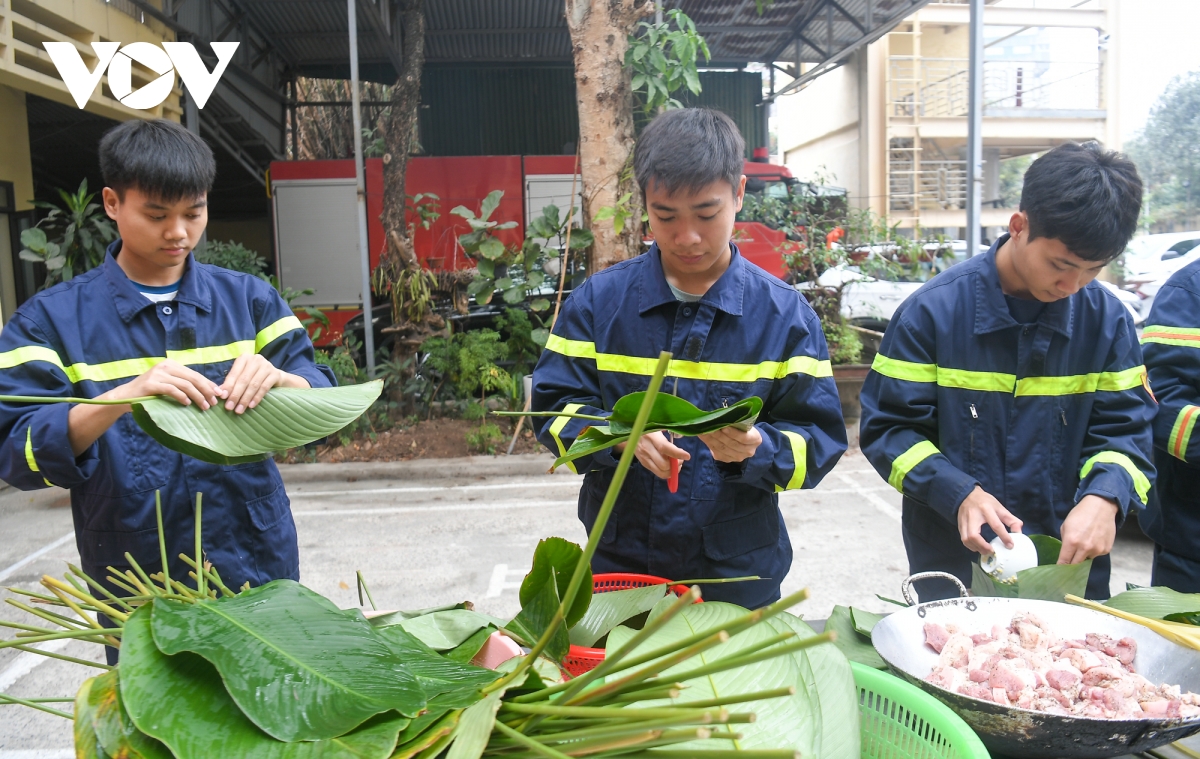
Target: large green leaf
[115, 731]
[298, 666]
[181, 701]
[864, 621]
[613, 608]
[670, 414]
[853, 644]
[1046, 582]
[819, 721]
[535, 618]
[443, 630]
[285, 418]
[449, 683]
[558, 558]
[1053, 582]
[676, 415]
[475, 728]
[86, 744]
[1156, 602]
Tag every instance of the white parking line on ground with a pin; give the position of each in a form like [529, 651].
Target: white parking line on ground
[502, 506]
[500, 582]
[39, 753]
[24, 663]
[438, 489]
[4, 573]
[883, 506]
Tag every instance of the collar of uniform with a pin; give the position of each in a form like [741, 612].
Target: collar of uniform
[725, 294]
[193, 287]
[991, 309]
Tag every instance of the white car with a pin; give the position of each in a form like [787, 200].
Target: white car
[1150, 261]
[870, 302]
[1153, 257]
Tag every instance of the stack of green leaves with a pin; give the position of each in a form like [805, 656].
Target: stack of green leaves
[1048, 581]
[279, 671]
[668, 414]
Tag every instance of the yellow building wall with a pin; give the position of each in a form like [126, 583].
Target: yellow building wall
[15, 164]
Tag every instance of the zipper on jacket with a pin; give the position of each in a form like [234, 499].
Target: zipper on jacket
[1064, 416]
[974, 413]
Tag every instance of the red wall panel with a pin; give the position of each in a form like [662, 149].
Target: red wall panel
[465, 181]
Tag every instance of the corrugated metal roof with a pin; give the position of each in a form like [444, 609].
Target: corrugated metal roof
[312, 33]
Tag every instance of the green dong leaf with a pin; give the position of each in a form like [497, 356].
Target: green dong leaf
[181, 701]
[820, 720]
[285, 418]
[613, 608]
[1156, 603]
[115, 731]
[536, 615]
[299, 667]
[560, 556]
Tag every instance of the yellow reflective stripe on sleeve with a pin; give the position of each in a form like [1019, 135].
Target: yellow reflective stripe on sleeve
[132, 367]
[1077, 384]
[1181, 432]
[1182, 336]
[557, 427]
[273, 331]
[571, 348]
[29, 459]
[905, 462]
[904, 370]
[990, 382]
[24, 355]
[1141, 483]
[697, 370]
[800, 458]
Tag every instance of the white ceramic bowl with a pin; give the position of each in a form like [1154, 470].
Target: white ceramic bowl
[1004, 563]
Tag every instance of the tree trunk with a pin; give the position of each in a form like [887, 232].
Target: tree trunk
[599, 38]
[401, 128]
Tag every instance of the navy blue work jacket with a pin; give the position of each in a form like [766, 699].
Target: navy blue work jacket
[750, 335]
[1171, 342]
[84, 337]
[1038, 415]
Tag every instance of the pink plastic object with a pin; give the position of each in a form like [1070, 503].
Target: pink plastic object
[496, 650]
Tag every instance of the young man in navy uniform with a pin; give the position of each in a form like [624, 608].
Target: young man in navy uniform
[735, 331]
[1171, 342]
[151, 320]
[1009, 391]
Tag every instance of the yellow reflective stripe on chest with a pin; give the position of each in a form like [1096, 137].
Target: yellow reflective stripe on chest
[132, 367]
[697, 370]
[999, 382]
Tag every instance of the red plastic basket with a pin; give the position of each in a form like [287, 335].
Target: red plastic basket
[582, 659]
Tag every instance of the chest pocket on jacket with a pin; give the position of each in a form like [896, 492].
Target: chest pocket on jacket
[983, 456]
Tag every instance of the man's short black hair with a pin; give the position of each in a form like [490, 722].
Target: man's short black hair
[1084, 196]
[159, 157]
[689, 148]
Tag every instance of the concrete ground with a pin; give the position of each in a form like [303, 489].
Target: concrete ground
[426, 533]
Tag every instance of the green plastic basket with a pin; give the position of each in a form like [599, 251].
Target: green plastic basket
[901, 721]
